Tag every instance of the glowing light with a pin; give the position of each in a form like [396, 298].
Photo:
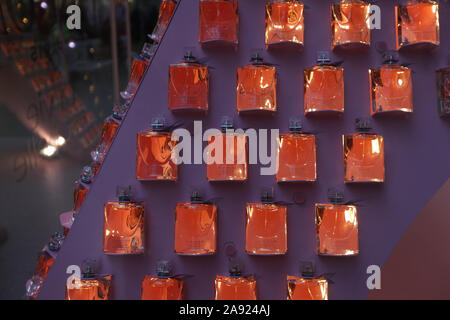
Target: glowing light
[375, 146]
[44, 5]
[72, 44]
[49, 151]
[60, 141]
[400, 82]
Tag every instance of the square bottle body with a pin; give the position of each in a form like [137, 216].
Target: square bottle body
[123, 225]
[336, 230]
[235, 288]
[195, 229]
[155, 288]
[266, 229]
[219, 21]
[137, 74]
[90, 289]
[296, 158]
[443, 77]
[109, 131]
[154, 156]
[79, 194]
[300, 288]
[284, 22]
[166, 10]
[363, 158]
[324, 89]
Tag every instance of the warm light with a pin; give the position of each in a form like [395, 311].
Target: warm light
[49, 151]
[375, 146]
[60, 141]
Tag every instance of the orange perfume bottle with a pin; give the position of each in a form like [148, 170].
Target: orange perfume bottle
[443, 82]
[324, 86]
[80, 190]
[154, 154]
[109, 130]
[336, 227]
[195, 227]
[166, 10]
[123, 225]
[266, 227]
[391, 87]
[257, 86]
[284, 22]
[228, 160]
[308, 286]
[140, 65]
[235, 286]
[350, 24]
[363, 155]
[296, 157]
[188, 85]
[219, 21]
[417, 23]
[163, 286]
[89, 286]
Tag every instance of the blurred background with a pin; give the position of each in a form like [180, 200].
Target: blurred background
[56, 88]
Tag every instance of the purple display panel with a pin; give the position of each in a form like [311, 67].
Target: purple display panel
[416, 147]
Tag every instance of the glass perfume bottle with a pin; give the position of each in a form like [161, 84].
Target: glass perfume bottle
[140, 65]
[166, 10]
[80, 190]
[296, 157]
[443, 82]
[363, 155]
[195, 227]
[188, 85]
[90, 286]
[164, 286]
[266, 227]
[154, 154]
[417, 23]
[109, 130]
[227, 158]
[307, 286]
[284, 22]
[350, 24]
[219, 21]
[235, 286]
[336, 227]
[123, 225]
[391, 87]
[324, 86]
[257, 86]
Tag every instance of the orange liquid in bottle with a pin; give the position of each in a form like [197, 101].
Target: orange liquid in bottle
[391, 89]
[195, 228]
[123, 228]
[90, 289]
[307, 289]
[219, 20]
[44, 263]
[235, 288]
[363, 157]
[154, 288]
[154, 151]
[232, 163]
[417, 23]
[166, 10]
[137, 73]
[266, 229]
[109, 131]
[324, 89]
[284, 22]
[350, 23]
[79, 194]
[336, 230]
[296, 157]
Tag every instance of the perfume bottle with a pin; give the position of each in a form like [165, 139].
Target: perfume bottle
[90, 286]
[308, 286]
[284, 22]
[140, 65]
[266, 227]
[188, 85]
[336, 227]
[166, 10]
[324, 86]
[363, 155]
[417, 23]
[163, 286]
[219, 21]
[296, 157]
[109, 130]
[443, 81]
[235, 286]
[154, 154]
[257, 86]
[195, 227]
[391, 86]
[80, 190]
[123, 225]
[350, 24]
[227, 155]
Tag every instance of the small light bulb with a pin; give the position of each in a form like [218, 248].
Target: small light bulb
[60, 141]
[49, 151]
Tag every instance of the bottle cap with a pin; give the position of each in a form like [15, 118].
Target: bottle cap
[307, 269]
[88, 268]
[235, 270]
[267, 196]
[87, 174]
[189, 56]
[335, 196]
[196, 197]
[163, 268]
[149, 49]
[390, 57]
[158, 124]
[123, 193]
[256, 58]
[362, 125]
[295, 125]
[323, 57]
[119, 110]
[227, 124]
